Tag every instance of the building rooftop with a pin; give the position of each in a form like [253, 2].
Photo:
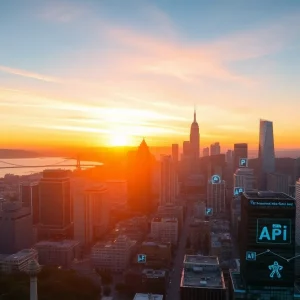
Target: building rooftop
[139, 296]
[57, 244]
[264, 195]
[164, 220]
[202, 272]
[20, 255]
[199, 260]
[150, 273]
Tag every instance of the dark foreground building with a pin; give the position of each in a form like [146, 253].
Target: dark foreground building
[267, 248]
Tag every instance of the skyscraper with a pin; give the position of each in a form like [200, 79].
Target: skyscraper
[56, 209]
[167, 186]
[29, 194]
[266, 152]
[267, 247]
[216, 195]
[139, 183]
[194, 139]
[297, 197]
[16, 232]
[215, 149]
[240, 151]
[244, 178]
[175, 153]
[206, 151]
[268, 239]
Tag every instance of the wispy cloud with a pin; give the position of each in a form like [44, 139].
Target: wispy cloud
[28, 74]
[61, 11]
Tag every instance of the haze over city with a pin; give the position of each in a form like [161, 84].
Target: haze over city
[108, 73]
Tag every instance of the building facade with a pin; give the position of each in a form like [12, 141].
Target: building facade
[16, 229]
[240, 151]
[244, 178]
[266, 152]
[165, 229]
[215, 149]
[279, 183]
[297, 197]
[216, 196]
[56, 207]
[29, 196]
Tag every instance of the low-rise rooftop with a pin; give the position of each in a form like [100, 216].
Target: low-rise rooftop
[148, 297]
[202, 272]
[164, 220]
[58, 244]
[199, 259]
[150, 273]
[20, 255]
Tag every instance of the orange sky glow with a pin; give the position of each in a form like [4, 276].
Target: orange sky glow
[122, 83]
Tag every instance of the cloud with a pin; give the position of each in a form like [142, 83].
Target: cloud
[28, 74]
[61, 11]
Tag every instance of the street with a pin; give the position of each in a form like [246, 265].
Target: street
[175, 276]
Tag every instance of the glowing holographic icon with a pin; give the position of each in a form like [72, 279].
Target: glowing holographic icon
[243, 163]
[238, 190]
[141, 258]
[275, 269]
[215, 179]
[208, 211]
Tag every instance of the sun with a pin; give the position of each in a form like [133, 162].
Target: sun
[119, 140]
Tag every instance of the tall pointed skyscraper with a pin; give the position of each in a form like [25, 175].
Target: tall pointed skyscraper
[194, 140]
[266, 152]
[139, 181]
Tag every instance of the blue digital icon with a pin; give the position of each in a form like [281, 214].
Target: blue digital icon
[243, 162]
[275, 269]
[215, 179]
[141, 258]
[238, 190]
[251, 255]
[208, 211]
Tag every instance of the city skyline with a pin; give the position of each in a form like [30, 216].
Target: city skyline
[85, 73]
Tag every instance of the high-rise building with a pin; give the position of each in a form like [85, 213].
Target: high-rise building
[216, 195]
[167, 185]
[29, 196]
[175, 154]
[186, 147]
[139, 181]
[16, 231]
[96, 196]
[56, 208]
[267, 242]
[215, 149]
[266, 152]
[229, 156]
[278, 182]
[206, 151]
[297, 197]
[240, 151]
[194, 140]
[244, 178]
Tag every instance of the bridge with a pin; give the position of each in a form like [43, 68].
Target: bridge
[78, 165]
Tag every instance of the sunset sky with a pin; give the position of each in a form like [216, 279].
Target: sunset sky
[109, 72]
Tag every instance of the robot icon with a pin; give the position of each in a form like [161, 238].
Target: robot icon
[275, 269]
